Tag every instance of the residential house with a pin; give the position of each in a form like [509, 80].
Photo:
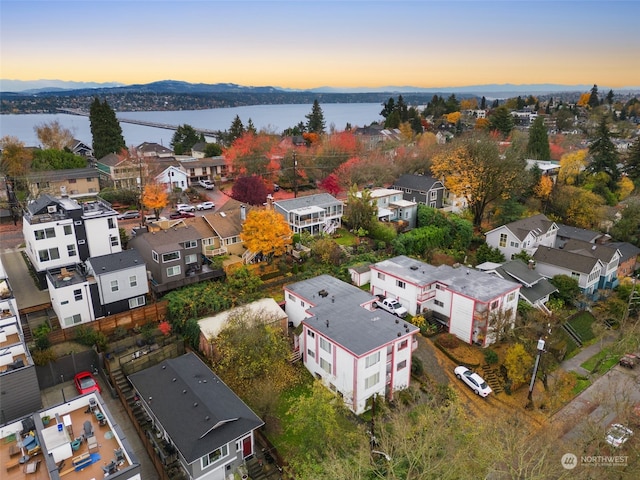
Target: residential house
[443, 136]
[422, 189]
[153, 150]
[209, 168]
[59, 232]
[535, 288]
[266, 310]
[319, 213]
[547, 167]
[20, 389]
[392, 207]
[360, 274]
[171, 175]
[629, 254]
[225, 227]
[102, 286]
[197, 151]
[78, 147]
[471, 304]
[121, 171]
[72, 183]
[173, 256]
[74, 440]
[356, 351]
[375, 135]
[585, 269]
[211, 429]
[608, 255]
[566, 233]
[527, 234]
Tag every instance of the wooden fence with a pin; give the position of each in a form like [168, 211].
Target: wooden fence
[154, 313]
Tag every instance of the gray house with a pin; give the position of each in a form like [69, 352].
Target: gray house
[422, 189]
[319, 213]
[211, 428]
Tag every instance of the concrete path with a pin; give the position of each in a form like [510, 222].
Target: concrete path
[573, 364]
[24, 289]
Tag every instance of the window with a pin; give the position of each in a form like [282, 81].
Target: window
[193, 258]
[190, 244]
[372, 380]
[292, 298]
[77, 294]
[403, 344]
[400, 283]
[511, 296]
[438, 303]
[48, 254]
[72, 180]
[133, 281]
[81, 242]
[154, 255]
[64, 302]
[46, 233]
[372, 359]
[401, 365]
[326, 366]
[439, 287]
[433, 194]
[213, 457]
[173, 271]
[381, 276]
[111, 222]
[77, 222]
[575, 275]
[114, 241]
[494, 305]
[301, 303]
[137, 301]
[311, 353]
[503, 239]
[311, 334]
[514, 244]
[73, 320]
[168, 257]
[68, 230]
[114, 286]
[71, 250]
[325, 345]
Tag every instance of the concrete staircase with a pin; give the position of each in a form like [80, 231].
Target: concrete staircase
[255, 468]
[492, 376]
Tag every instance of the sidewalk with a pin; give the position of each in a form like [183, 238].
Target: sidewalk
[573, 364]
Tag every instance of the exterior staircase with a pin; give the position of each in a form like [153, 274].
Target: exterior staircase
[248, 257]
[255, 468]
[491, 375]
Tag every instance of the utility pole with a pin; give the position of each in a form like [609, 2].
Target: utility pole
[535, 372]
[295, 175]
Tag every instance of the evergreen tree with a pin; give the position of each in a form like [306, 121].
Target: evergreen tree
[495, 104]
[184, 139]
[632, 167]
[610, 97]
[604, 156]
[452, 104]
[235, 130]
[502, 121]
[315, 119]
[538, 146]
[403, 110]
[251, 127]
[483, 103]
[593, 98]
[519, 103]
[105, 129]
[388, 107]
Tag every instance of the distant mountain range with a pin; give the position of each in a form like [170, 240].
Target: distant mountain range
[36, 87]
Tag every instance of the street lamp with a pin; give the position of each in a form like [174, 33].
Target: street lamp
[535, 371]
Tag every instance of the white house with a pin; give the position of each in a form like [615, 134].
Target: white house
[356, 351]
[392, 207]
[319, 213]
[173, 177]
[526, 234]
[470, 303]
[583, 268]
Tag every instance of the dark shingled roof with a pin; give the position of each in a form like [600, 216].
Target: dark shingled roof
[569, 260]
[415, 182]
[113, 262]
[566, 231]
[538, 224]
[596, 250]
[194, 406]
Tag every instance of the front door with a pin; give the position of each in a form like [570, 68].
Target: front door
[246, 447]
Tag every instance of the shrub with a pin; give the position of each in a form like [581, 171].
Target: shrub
[417, 368]
[448, 340]
[42, 357]
[41, 336]
[490, 356]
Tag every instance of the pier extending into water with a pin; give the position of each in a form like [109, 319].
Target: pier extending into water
[166, 126]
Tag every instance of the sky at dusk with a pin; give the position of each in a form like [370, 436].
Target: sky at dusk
[308, 44]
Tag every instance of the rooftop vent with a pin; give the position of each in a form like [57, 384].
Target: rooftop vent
[413, 267]
[323, 293]
[195, 404]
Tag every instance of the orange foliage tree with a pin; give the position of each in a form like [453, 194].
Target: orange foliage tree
[251, 154]
[469, 103]
[453, 117]
[266, 231]
[331, 152]
[482, 124]
[155, 197]
[584, 99]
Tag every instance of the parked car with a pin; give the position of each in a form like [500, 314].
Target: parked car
[208, 184]
[276, 187]
[618, 434]
[85, 382]
[175, 215]
[391, 305]
[152, 218]
[205, 206]
[129, 214]
[473, 380]
[185, 207]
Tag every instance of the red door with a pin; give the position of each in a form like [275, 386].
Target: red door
[246, 447]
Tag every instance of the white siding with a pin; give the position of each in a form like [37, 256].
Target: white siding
[59, 241]
[99, 236]
[388, 286]
[65, 304]
[461, 321]
[294, 308]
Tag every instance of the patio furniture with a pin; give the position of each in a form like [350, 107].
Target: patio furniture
[32, 467]
[112, 467]
[75, 445]
[14, 450]
[87, 429]
[119, 454]
[92, 443]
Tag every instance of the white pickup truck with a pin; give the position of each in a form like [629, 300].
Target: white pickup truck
[391, 306]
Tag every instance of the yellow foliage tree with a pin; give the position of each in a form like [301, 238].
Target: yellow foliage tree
[518, 363]
[544, 188]
[406, 131]
[453, 117]
[584, 99]
[469, 104]
[266, 231]
[482, 124]
[155, 197]
[53, 135]
[571, 164]
[625, 187]
[585, 209]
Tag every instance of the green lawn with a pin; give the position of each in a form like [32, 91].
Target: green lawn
[345, 238]
[581, 323]
[581, 384]
[605, 359]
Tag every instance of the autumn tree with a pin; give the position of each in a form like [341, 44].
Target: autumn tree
[501, 121]
[543, 189]
[15, 159]
[184, 139]
[518, 363]
[267, 232]
[155, 197]
[331, 184]
[577, 207]
[105, 129]
[360, 210]
[251, 190]
[315, 119]
[571, 166]
[53, 135]
[252, 153]
[583, 101]
[453, 117]
[331, 152]
[538, 146]
[474, 168]
[469, 103]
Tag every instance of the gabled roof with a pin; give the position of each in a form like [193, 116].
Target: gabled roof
[167, 240]
[40, 204]
[536, 225]
[422, 183]
[114, 262]
[566, 231]
[150, 147]
[194, 406]
[110, 160]
[596, 250]
[227, 223]
[339, 316]
[61, 175]
[567, 260]
[202, 162]
[317, 200]
[199, 147]
[627, 250]
[534, 286]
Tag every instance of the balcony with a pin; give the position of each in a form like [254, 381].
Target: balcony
[426, 296]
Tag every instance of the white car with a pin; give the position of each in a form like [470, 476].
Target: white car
[473, 380]
[205, 206]
[618, 435]
[207, 184]
[184, 207]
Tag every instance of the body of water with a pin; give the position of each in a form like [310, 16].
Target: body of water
[274, 118]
